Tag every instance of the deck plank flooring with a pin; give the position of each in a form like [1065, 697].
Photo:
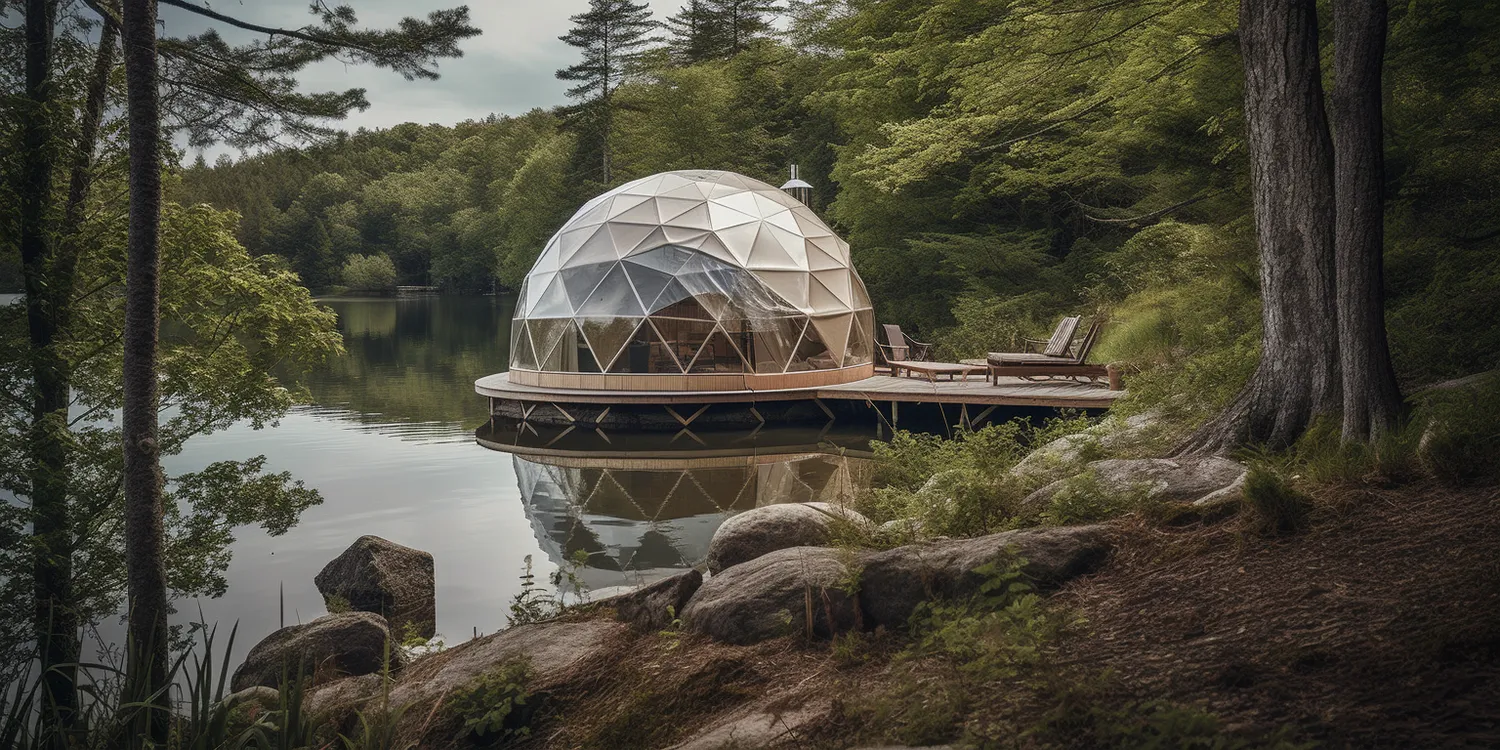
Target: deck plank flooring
[884, 388]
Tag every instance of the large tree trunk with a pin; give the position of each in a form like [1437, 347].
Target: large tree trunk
[55, 619]
[1291, 171]
[145, 572]
[1372, 399]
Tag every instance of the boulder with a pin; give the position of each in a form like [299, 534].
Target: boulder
[902, 530]
[262, 698]
[341, 698]
[554, 649]
[653, 607]
[1179, 480]
[770, 596]
[1068, 454]
[767, 723]
[332, 646]
[892, 583]
[748, 535]
[377, 575]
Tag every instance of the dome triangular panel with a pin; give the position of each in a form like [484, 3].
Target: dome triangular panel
[696, 272]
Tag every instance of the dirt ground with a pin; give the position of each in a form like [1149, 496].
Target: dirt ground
[1378, 627]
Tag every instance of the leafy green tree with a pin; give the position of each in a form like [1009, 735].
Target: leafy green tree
[612, 35]
[244, 95]
[231, 319]
[48, 246]
[369, 273]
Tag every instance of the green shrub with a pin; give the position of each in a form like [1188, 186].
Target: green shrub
[989, 323]
[982, 672]
[369, 273]
[1080, 717]
[1187, 330]
[1084, 499]
[532, 603]
[495, 705]
[1460, 429]
[957, 487]
[1275, 506]
[1322, 456]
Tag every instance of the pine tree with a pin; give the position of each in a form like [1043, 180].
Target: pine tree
[696, 35]
[612, 35]
[244, 95]
[717, 29]
[741, 22]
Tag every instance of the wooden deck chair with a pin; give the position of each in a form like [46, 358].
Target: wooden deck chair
[1061, 343]
[1072, 364]
[902, 348]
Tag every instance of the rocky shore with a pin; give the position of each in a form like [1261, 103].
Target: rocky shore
[778, 573]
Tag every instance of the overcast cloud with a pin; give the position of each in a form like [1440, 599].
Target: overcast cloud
[508, 69]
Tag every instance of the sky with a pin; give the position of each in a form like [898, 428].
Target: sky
[508, 69]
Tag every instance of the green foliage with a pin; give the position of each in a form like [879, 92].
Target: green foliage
[231, 323]
[961, 650]
[1276, 507]
[1451, 433]
[205, 507]
[1460, 425]
[369, 273]
[1188, 325]
[1081, 718]
[987, 324]
[495, 705]
[532, 603]
[983, 672]
[958, 487]
[1083, 499]
[993, 165]
[204, 719]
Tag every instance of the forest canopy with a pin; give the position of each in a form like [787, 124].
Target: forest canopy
[993, 164]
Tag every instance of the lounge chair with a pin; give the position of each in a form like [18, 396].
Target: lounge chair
[1060, 359]
[902, 348]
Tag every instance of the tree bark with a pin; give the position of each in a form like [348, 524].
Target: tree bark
[1372, 399]
[145, 571]
[55, 621]
[1291, 170]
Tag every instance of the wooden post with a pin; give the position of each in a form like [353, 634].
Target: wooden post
[1116, 378]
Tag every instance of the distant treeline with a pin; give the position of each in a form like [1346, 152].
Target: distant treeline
[991, 165]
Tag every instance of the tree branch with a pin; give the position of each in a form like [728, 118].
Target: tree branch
[1149, 217]
[268, 30]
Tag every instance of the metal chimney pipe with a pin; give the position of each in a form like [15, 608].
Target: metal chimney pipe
[798, 188]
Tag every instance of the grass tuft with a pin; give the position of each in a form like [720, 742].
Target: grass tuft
[1276, 508]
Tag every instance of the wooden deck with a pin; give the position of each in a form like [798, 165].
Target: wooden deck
[880, 388]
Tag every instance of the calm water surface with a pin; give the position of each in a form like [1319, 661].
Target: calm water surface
[401, 447]
[390, 442]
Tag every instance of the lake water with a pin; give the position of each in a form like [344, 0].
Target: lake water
[390, 442]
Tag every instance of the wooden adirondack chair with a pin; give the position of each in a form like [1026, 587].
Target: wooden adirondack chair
[902, 348]
[1068, 362]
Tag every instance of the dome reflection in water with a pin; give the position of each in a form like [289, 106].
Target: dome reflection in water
[649, 512]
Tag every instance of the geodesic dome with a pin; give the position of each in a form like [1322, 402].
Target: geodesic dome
[693, 272]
